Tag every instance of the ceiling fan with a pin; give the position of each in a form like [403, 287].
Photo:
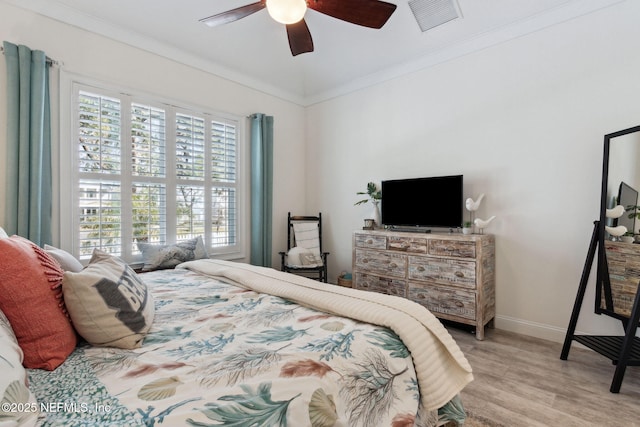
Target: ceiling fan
[368, 13]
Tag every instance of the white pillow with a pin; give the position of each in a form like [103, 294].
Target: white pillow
[67, 261]
[13, 381]
[293, 256]
[3, 234]
[108, 303]
[302, 257]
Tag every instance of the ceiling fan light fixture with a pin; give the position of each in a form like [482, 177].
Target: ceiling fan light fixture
[287, 11]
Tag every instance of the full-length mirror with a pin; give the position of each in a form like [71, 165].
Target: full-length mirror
[619, 269]
[618, 257]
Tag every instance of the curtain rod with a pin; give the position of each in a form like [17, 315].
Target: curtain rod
[48, 60]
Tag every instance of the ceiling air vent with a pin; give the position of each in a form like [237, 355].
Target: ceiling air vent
[431, 13]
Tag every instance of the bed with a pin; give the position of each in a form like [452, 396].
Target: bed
[238, 345]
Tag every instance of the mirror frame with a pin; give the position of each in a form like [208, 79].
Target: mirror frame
[603, 283]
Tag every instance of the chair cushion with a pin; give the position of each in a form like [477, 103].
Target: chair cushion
[294, 254]
[157, 257]
[302, 257]
[109, 305]
[31, 298]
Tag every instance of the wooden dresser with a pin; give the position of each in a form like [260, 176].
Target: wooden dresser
[623, 260]
[453, 275]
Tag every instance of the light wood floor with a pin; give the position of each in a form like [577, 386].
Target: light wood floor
[521, 381]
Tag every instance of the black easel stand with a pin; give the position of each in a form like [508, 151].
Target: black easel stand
[623, 350]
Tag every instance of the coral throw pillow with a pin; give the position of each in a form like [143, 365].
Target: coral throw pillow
[31, 298]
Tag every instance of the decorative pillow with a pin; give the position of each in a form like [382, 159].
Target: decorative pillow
[13, 381]
[109, 305]
[158, 257]
[3, 234]
[303, 257]
[310, 260]
[31, 298]
[295, 255]
[67, 261]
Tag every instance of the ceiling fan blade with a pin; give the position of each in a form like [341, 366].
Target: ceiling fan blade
[300, 40]
[368, 13]
[234, 14]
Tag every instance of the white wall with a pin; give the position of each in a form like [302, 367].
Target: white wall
[86, 54]
[524, 122]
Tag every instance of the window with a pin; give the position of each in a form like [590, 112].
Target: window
[146, 171]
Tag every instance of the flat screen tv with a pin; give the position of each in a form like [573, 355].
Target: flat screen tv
[423, 202]
[627, 196]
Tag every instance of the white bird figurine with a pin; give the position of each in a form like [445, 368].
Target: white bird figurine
[615, 212]
[471, 205]
[483, 223]
[616, 231]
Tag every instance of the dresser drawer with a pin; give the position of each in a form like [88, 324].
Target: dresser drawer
[408, 244]
[385, 263]
[443, 271]
[454, 302]
[452, 248]
[383, 285]
[370, 241]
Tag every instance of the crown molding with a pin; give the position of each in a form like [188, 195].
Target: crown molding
[567, 11]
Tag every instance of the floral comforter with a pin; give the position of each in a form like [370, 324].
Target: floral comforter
[220, 355]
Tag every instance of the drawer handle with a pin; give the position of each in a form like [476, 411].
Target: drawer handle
[369, 242]
[448, 304]
[393, 265]
[420, 268]
[459, 274]
[450, 249]
[365, 261]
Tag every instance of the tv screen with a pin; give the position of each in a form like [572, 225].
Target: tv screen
[423, 202]
[627, 196]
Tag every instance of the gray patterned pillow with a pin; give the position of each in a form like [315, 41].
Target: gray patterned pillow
[108, 303]
[157, 257]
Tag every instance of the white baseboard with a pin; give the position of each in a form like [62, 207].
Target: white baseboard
[548, 332]
[524, 327]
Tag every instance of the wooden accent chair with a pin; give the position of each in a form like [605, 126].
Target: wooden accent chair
[304, 255]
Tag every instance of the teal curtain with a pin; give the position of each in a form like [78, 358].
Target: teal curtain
[28, 195]
[261, 188]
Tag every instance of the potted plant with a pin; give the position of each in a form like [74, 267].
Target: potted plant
[634, 210]
[374, 195]
[372, 191]
[467, 227]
